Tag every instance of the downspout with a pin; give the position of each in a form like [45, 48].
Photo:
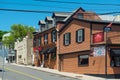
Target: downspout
[90, 36]
[58, 51]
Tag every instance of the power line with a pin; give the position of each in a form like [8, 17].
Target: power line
[38, 11]
[33, 11]
[66, 2]
[24, 4]
[41, 5]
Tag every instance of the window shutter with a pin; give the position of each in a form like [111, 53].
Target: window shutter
[64, 39]
[55, 35]
[69, 38]
[52, 36]
[76, 36]
[83, 35]
[47, 38]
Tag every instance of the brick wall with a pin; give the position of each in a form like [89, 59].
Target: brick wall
[69, 60]
[70, 64]
[48, 63]
[74, 46]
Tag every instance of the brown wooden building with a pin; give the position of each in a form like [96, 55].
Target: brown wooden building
[82, 47]
[79, 44]
[45, 49]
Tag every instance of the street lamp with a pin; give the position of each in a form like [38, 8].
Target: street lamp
[106, 29]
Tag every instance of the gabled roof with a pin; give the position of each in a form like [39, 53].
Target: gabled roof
[73, 13]
[61, 14]
[70, 17]
[41, 22]
[86, 20]
[48, 18]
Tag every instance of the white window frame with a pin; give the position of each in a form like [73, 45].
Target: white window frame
[80, 35]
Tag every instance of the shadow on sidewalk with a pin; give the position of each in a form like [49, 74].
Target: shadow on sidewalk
[109, 76]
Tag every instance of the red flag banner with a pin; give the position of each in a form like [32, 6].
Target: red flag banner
[98, 37]
[109, 25]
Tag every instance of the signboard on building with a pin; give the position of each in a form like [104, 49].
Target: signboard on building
[99, 51]
[98, 37]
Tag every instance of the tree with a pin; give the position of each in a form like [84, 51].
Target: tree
[18, 32]
[1, 34]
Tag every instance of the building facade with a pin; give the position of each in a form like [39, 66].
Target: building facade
[45, 48]
[83, 47]
[23, 51]
[46, 40]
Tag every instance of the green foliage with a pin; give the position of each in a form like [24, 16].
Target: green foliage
[1, 34]
[18, 32]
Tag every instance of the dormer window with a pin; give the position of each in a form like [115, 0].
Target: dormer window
[80, 15]
[42, 25]
[49, 21]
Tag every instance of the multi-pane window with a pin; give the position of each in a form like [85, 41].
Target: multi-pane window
[39, 40]
[46, 39]
[80, 15]
[53, 36]
[115, 57]
[115, 61]
[80, 35]
[67, 38]
[83, 60]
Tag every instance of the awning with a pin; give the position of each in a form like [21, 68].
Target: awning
[45, 51]
[52, 50]
[115, 52]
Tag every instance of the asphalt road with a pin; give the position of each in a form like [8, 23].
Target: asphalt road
[13, 72]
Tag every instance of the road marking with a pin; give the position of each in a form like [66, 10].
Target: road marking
[25, 74]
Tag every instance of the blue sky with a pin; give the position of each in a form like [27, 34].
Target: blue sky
[8, 18]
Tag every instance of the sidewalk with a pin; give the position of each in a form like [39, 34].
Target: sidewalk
[73, 75]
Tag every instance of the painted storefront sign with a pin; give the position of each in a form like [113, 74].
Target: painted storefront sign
[99, 51]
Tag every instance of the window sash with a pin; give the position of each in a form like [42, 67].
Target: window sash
[83, 60]
[115, 62]
[54, 36]
[80, 35]
[46, 39]
[80, 15]
[39, 40]
[67, 39]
